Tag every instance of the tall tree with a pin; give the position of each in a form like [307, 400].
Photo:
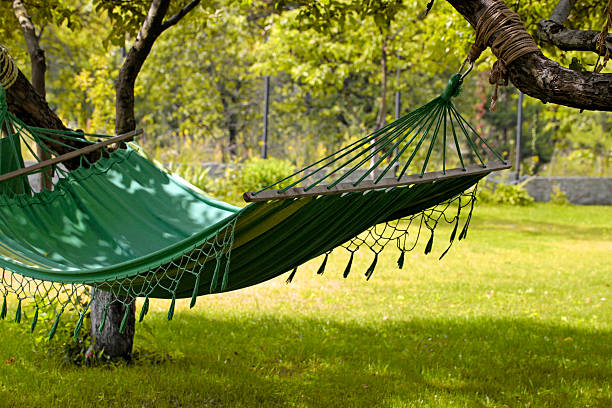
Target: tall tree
[110, 339]
[31, 106]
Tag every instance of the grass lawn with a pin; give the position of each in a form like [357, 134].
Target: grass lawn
[518, 315]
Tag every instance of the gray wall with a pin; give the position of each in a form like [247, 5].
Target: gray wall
[579, 190]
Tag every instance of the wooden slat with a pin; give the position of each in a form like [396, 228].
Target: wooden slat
[365, 185]
[70, 155]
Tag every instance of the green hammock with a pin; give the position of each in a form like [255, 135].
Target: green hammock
[125, 225]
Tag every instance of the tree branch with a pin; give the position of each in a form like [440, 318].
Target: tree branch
[179, 15]
[562, 11]
[151, 29]
[545, 79]
[38, 62]
[25, 103]
[124, 86]
[37, 55]
[571, 40]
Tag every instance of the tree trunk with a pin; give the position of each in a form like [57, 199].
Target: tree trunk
[114, 343]
[110, 340]
[39, 67]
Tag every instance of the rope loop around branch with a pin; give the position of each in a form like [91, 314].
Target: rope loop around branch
[504, 30]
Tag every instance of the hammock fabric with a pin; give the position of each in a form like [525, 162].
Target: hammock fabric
[123, 224]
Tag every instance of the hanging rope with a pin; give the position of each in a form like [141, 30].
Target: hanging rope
[511, 42]
[8, 69]
[602, 49]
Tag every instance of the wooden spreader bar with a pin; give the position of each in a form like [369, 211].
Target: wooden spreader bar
[297, 192]
[71, 155]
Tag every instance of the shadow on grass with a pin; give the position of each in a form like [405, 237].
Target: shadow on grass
[280, 361]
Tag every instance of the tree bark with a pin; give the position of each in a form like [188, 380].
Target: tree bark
[25, 103]
[571, 40]
[151, 29]
[39, 68]
[114, 343]
[562, 11]
[544, 79]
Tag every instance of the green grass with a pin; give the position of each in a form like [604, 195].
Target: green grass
[518, 315]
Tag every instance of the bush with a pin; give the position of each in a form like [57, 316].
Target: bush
[252, 175]
[256, 174]
[513, 194]
[196, 175]
[558, 196]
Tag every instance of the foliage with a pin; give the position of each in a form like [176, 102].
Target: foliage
[204, 77]
[558, 196]
[252, 175]
[500, 193]
[503, 319]
[256, 174]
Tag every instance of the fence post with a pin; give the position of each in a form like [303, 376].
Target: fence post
[264, 146]
[398, 95]
[519, 133]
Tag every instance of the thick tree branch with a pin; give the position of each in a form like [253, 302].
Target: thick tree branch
[554, 32]
[570, 40]
[25, 103]
[545, 79]
[179, 15]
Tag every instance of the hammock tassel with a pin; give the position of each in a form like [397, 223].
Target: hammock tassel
[196, 289]
[291, 276]
[465, 227]
[144, 310]
[171, 310]
[215, 278]
[370, 270]
[347, 270]
[34, 321]
[18, 313]
[467, 223]
[322, 267]
[225, 275]
[124, 321]
[55, 324]
[400, 260]
[452, 239]
[78, 326]
[103, 321]
[4, 309]
[429, 243]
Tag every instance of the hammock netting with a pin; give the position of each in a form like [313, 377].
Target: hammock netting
[118, 222]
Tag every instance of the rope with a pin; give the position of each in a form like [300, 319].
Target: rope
[8, 69]
[511, 42]
[601, 41]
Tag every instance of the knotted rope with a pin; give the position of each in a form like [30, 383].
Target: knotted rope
[511, 42]
[8, 69]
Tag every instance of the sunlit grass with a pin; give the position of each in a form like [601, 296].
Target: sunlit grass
[519, 314]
